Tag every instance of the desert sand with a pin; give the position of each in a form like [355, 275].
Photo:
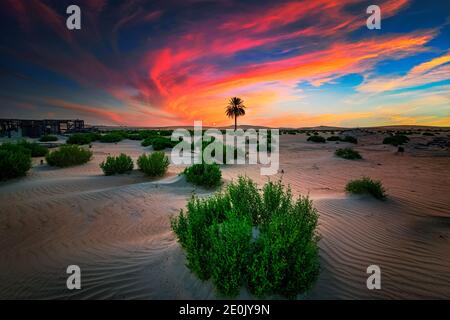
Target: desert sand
[117, 228]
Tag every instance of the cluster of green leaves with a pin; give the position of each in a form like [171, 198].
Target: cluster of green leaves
[396, 140]
[266, 239]
[48, 138]
[83, 138]
[317, 139]
[348, 153]
[117, 165]
[366, 185]
[15, 161]
[68, 155]
[154, 164]
[203, 174]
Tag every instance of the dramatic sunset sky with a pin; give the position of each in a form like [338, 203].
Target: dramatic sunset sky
[164, 63]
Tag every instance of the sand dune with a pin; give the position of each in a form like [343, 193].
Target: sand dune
[117, 228]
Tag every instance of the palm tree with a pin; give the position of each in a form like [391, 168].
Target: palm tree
[235, 109]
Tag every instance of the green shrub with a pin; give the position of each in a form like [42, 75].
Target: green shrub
[334, 138]
[161, 143]
[48, 138]
[14, 162]
[317, 139]
[34, 149]
[117, 165]
[15, 147]
[111, 137]
[154, 164]
[83, 138]
[366, 185]
[229, 253]
[285, 258]
[349, 139]
[348, 153]
[135, 136]
[266, 239]
[396, 140]
[68, 155]
[147, 141]
[203, 174]
[158, 143]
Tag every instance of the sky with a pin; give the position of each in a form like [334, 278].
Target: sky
[169, 63]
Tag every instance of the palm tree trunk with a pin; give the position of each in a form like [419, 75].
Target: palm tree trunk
[235, 123]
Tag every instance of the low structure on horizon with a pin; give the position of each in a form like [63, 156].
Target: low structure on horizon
[37, 128]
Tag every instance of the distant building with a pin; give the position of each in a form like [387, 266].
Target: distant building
[37, 128]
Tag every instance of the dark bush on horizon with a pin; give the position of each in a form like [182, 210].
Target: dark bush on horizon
[396, 140]
[15, 161]
[317, 139]
[348, 153]
[48, 138]
[159, 143]
[203, 174]
[366, 185]
[334, 138]
[117, 165]
[154, 164]
[135, 136]
[430, 134]
[349, 139]
[68, 155]
[111, 137]
[240, 236]
[83, 138]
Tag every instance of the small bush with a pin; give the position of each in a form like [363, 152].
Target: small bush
[117, 165]
[48, 138]
[82, 138]
[349, 139]
[348, 153]
[161, 143]
[158, 143]
[68, 155]
[334, 138]
[135, 136]
[34, 149]
[111, 137]
[396, 140]
[154, 164]
[203, 174]
[14, 162]
[317, 139]
[241, 235]
[430, 134]
[366, 185]
[147, 141]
